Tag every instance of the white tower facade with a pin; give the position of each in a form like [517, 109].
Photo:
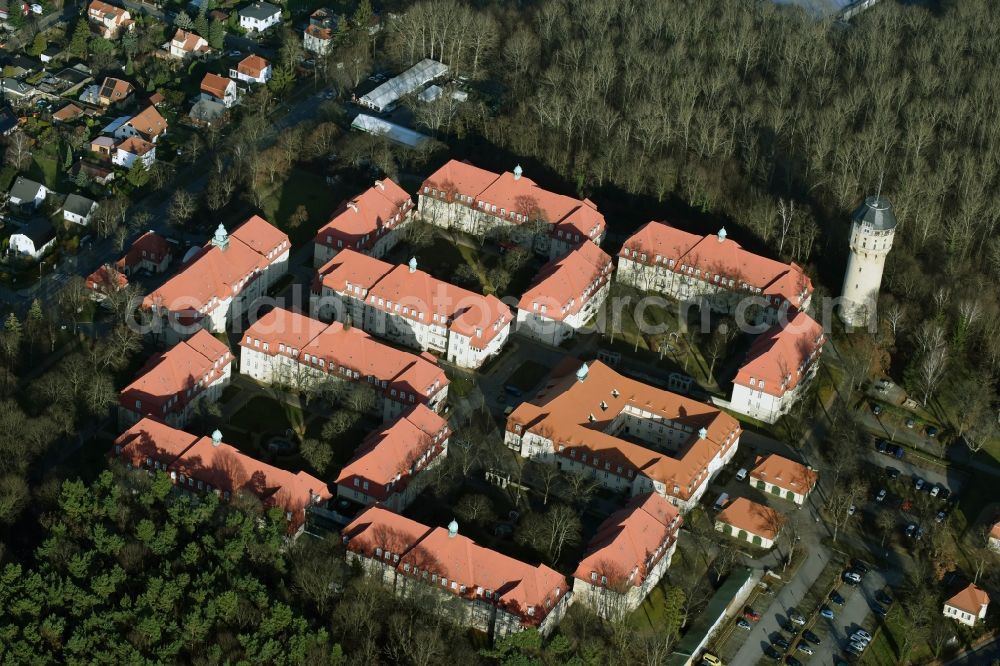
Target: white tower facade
[873, 226]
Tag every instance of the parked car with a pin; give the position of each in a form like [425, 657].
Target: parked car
[743, 624]
[852, 577]
[796, 617]
[836, 598]
[911, 529]
[931, 431]
[710, 660]
[851, 510]
[787, 625]
[898, 451]
[235, 54]
[906, 505]
[742, 474]
[941, 515]
[861, 633]
[936, 490]
[918, 483]
[811, 637]
[792, 661]
[944, 494]
[860, 566]
[780, 641]
[804, 648]
[883, 598]
[882, 446]
[769, 651]
[920, 533]
[892, 472]
[876, 409]
[826, 612]
[751, 614]
[910, 423]
[881, 495]
[854, 647]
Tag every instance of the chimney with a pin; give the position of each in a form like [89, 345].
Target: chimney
[517, 172]
[353, 205]
[722, 234]
[379, 185]
[413, 264]
[216, 438]
[452, 529]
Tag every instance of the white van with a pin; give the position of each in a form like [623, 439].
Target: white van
[742, 474]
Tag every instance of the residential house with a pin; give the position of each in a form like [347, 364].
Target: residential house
[496, 594]
[108, 20]
[259, 16]
[627, 557]
[103, 146]
[565, 295]
[67, 113]
[462, 196]
[172, 384]
[207, 112]
[968, 606]
[78, 209]
[50, 54]
[993, 541]
[16, 92]
[590, 420]
[33, 239]
[132, 149]
[104, 281]
[147, 124]
[784, 478]
[220, 281]
[318, 36]
[20, 65]
[203, 464]
[252, 69]
[150, 252]
[113, 91]
[185, 45]
[218, 89]
[27, 195]
[389, 466]
[8, 120]
[411, 307]
[779, 365]
[97, 173]
[289, 349]
[751, 522]
[369, 223]
[714, 270]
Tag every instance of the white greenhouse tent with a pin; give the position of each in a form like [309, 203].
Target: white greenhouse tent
[387, 94]
[394, 132]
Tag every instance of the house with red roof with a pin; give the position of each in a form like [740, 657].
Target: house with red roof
[184, 45]
[220, 281]
[627, 557]
[134, 149]
[779, 365]
[219, 89]
[150, 252]
[148, 125]
[108, 20]
[369, 223]
[171, 385]
[480, 202]
[968, 606]
[252, 69]
[207, 464]
[713, 269]
[629, 437]
[496, 594]
[411, 307]
[784, 478]
[388, 467]
[104, 281]
[565, 295]
[290, 349]
[749, 521]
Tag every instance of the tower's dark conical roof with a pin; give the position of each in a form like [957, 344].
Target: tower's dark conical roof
[876, 211]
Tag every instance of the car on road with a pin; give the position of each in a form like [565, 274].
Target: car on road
[796, 617]
[811, 637]
[881, 495]
[862, 634]
[892, 472]
[918, 483]
[804, 648]
[751, 614]
[883, 598]
[710, 660]
[235, 54]
[826, 612]
[743, 624]
[932, 431]
[836, 598]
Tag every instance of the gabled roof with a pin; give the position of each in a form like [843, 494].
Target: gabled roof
[518, 196]
[565, 285]
[718, 255]
[215, 85]
[754, 518]
[359, 221]
[104, 9]
[631, 542]
[575, 414]
[253, 65]
[189, 41]
[68, 112]
[180, 373]
[971, 599]
[25, 189]
[260, 10]
[779, 358]
[391, 455]
[784, 473]
[79, 205]
[115, 89]
[149, 122]
[115, 125]
[458, 564]
[39, 230]
[106, 279]
[135, 146]
[152, 244]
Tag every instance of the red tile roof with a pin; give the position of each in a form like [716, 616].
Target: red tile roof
[149, 122]
[216, 274]
[105, 278]
[68, 112]
[360, 222]
[752, 517]
[221, 466]
[115, 89]
[971, 600]
[179, 374]
[631, 542]
[784, 473]
[189, 41]
[562, 412]
[215, 85]
[780, 357]
[514, 586]
[565, 285]
[253, 65]
[517, 196]
[392, 455]
[148, 247]
[136, 146]
[995, 530]
[723, 257]
[467, 313]
[100, 9]
[341, 348]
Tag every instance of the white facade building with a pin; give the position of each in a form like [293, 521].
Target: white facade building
[873, 227]
[369, 223]
[968, 606]
[259, 16]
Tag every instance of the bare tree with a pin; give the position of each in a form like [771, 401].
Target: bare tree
[182, 207]
[18, 150]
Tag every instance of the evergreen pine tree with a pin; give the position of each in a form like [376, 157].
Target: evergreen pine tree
[139, 174]
[79, 44]
[68, 160]
[201, 23]
[216, 34]
[183, 21]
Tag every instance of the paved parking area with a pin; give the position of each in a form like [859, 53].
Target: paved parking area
[855, 613]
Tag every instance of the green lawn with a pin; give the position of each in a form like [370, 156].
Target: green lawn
[308, 189]
[265, 415]
[885, 646]
[527, 375]
[46, 169]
